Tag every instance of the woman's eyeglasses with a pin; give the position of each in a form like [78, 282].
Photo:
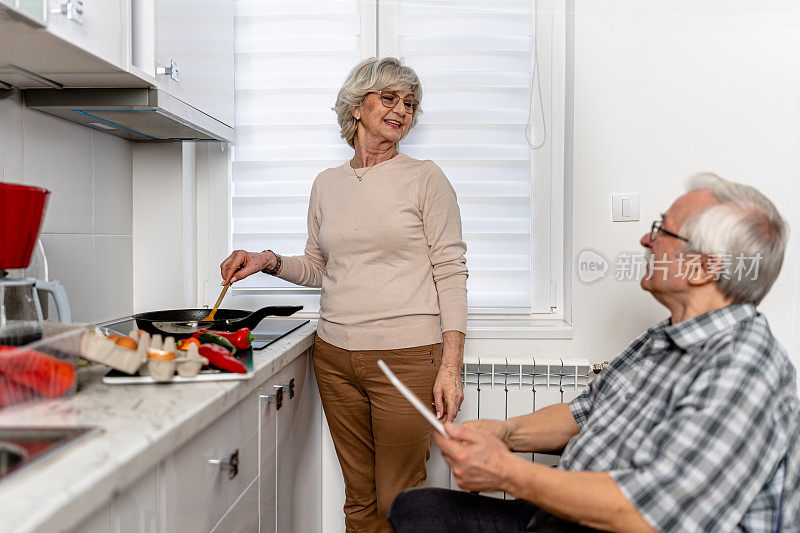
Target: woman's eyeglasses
[389, 99]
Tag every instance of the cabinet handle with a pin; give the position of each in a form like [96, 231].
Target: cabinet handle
[172, 71]
[276, 398]
[288, 388]
[231, 464]
[72, 9]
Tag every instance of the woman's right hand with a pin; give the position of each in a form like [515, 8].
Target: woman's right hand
[249, 262]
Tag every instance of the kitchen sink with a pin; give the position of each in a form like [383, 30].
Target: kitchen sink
[23, 446]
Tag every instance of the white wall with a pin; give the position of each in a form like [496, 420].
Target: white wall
[87, 231]
[664, 90]
[178, 241]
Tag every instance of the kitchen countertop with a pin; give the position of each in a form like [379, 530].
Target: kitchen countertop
[143, 424]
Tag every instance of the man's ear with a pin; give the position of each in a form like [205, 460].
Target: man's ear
[706, 270]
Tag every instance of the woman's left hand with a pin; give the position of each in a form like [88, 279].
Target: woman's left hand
[447, 392]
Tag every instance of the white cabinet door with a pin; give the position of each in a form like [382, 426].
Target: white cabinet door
[242, 517]
[137, 510]
[198, 492]
[292, 377]
[104, 30]
[198, 36]
[305, 496]
[35, 10]
[267, 469]
[291, 439]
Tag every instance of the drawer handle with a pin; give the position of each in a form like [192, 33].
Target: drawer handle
[276, 398]
[280, 390]
[287, 389]
[231, 464]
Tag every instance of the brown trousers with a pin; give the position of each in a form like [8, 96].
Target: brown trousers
[381, 441]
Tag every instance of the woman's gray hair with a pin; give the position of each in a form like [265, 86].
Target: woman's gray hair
[371, 75]
[745, 229]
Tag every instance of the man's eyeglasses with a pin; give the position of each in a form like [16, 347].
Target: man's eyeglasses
[390, 98]
[657, 228]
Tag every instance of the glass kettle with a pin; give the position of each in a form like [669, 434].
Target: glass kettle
[19, 301]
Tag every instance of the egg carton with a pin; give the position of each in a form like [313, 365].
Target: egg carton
[98, 348]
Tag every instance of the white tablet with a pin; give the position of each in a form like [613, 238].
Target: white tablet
[413, 398]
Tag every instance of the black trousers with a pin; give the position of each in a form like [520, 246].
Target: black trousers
[432, 510]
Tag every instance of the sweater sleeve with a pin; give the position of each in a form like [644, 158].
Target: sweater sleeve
[441, 221]
[307, 269]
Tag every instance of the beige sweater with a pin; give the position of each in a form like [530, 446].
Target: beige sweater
[388, 254]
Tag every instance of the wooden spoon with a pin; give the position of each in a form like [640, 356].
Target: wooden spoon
[216, 305]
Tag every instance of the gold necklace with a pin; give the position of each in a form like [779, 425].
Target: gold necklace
[362, 175]
[370, 168]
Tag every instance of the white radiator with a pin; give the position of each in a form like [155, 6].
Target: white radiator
[502, 388]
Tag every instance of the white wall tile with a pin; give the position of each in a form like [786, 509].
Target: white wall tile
[58, 157]
[10, 136]
[91, 179]
[113, 184]
[113, 277]
[69, 259]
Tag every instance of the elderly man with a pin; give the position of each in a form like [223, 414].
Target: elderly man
[693, 427]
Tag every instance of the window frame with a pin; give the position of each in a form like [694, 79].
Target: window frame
[550, 314]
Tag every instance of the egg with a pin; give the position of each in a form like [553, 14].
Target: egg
[127, 343]
[160, 355]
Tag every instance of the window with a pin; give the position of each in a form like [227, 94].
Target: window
[475, 61]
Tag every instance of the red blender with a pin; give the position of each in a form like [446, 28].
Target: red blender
[21, 214]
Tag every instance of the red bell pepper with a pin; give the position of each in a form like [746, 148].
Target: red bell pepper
[43, 373]
[11, 392]
[222, 358]
[240, 339]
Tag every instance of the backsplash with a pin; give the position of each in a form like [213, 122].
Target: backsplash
[88, 226]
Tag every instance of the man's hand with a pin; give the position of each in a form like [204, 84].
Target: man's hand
[498, 428]
[479, 460]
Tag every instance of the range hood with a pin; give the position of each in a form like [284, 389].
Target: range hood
[149, 115]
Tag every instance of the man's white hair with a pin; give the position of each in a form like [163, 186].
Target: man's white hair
[745, 224]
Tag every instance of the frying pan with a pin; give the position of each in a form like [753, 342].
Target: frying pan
[182, 323]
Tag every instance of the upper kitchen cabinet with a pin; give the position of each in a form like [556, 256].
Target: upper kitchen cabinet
[33, 11]
[66, 43]
[100, 28]
[146, 70]
[195, 53]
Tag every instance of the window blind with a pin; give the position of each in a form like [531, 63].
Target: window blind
[291, 57]
[474, 59]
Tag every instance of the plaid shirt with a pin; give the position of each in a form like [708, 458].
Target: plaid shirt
[697, 423]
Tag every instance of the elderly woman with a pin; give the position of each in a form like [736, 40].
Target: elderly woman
[384, 244]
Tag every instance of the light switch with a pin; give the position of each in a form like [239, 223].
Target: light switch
[624, 207]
